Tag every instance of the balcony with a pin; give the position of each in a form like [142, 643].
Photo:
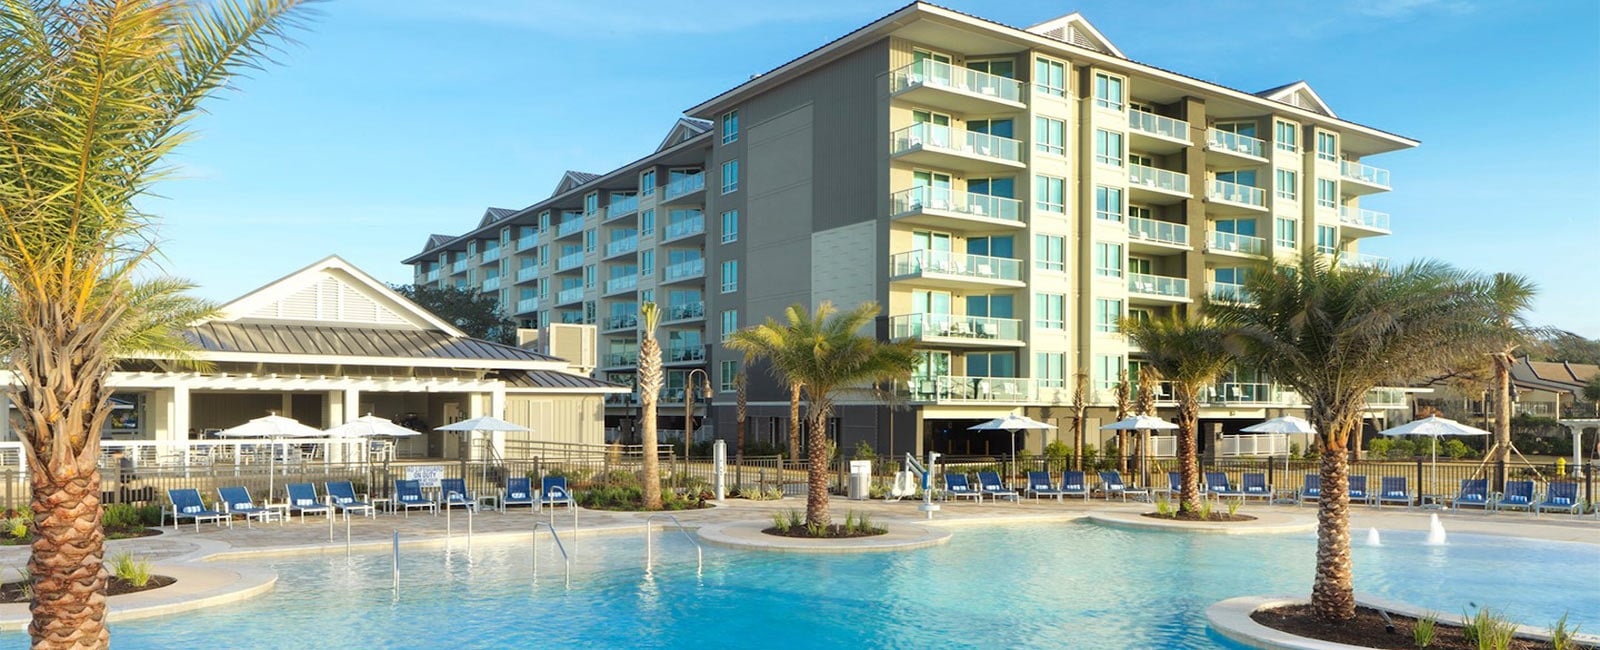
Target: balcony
[1362, 179]
[622, 207]
[1386, 398]
[1361, 223]
[622, 283]
[1235, 244]
[569, 262]
[489, 255]
[1157, 133]
[1227, 292]
[569, 296]
[941, 85]
[622, 246]
[689, 227]
[1156, 185]
[938, 207]
[431, 276]
[527, 274]
[570, 317]
[685, 270]
[943, 147]
[1244, 393]
[490, 284]
[458, 266]
[955, 388]
[1238, 146]
[684, 188]
[620, 359]
[957, 331]
[954, 270]
[527, 242]
[1158, 287]
[1226, 197]
[569, 228]
[526, 305]
[620, 322]
[684, 312]
[1153, 236]
[683, 354]
[1362, 260]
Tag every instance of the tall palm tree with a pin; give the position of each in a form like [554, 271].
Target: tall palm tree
[93, 95]
[772, 347]
[650, 377]
[1333, 334]
[1144, 403]
[1512, 295]
[1080, 409]
[741, 383]
[824, 352]
[1123, 394]
[1189, 352]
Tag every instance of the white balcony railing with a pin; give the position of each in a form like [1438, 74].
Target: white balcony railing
[684, 185]
[947, 200]
[1236, 143]
[1236, 193]
[1364, 173]
[627, 244]
[955, 388]
[1158, 285]
[694, 225]
[1258, 444]
[1165, 232]
[684, 270]
[935, 73]
[945, 138]
[1243, 393]
[1235, 243]
[1365, 218]
[1157, 178]
[1386, 398]
[622, 283]
[1158, 125]
[954, 326]
[981, 267]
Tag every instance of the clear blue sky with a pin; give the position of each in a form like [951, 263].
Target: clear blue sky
[393, 119]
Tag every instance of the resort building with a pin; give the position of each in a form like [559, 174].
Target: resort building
[1551, 389]
[1007, 194]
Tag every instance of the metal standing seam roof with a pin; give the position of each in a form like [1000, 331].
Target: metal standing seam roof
[556, 379]
[272, 338]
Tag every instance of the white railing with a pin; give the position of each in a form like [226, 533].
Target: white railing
[1161, 179]
[1242, 393]
[623, 206]
[1164, 446]
[1235, 243]
[627, 244]
[569, 227]
[569, 295]
[945, 199]
[948, 263]
[935, 73]
[490, 284]
[956, 388]
[938, 136]
[684, 311]
[1362, 260]
[527, 274]
[240, 451]
[526, 305]
[954, 326]
[684, 227]
[1158, 125]
[1259, 444]
[1366, 218]
[1386, 398]
[622, 283]
[569, 261]
[1220, 190]
[1165, 232]
[684, 185]
[1236, 143]
[1158, 285]
[1364, 173]
[684, 270]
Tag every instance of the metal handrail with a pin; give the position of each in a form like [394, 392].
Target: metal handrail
[649, 546]
[559, 546]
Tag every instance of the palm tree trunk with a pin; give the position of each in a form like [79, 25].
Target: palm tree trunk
[1077, 441]
[1502, 419]
[817, 472]
[69, 580]
[1333, 591]
[1122, 451]
[1188, 452]
[794, 422]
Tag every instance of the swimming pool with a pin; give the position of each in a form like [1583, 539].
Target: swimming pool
[1072, 584]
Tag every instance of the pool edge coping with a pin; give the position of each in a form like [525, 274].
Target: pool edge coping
[1261, 526]
[747, 535]
[1231, 619]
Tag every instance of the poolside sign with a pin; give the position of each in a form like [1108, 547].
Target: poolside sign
[425, 475]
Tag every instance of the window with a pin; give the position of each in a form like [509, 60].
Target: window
[730, 126]
[591, 203]
[1285, 233]
[647, 295]
[1048, 310]
[647, 263]
[730, 323]
[647, 222]
[1108, 148]
[1108, 260]
[1047, 194]
[589, 237]
[544, 220]
[1327, 147]
[1047, 133]
[647, 182]
[588, 276]
[992, 364]
[1141, 316]
[730, 176]
[1287, 136]
[1047, 253]
[1107, 91]
[730, 226]
[1107, 371]
[998, 67]
[992, 306]
[1047, 369]
[1327, 193]
[1050, 77]
[1327, 239]
[1108, 203]
[729, 376]
[1288, 185]
[998, 186]
[1107, 315]
[730, 276]
[1141, 265]
[1141, 159]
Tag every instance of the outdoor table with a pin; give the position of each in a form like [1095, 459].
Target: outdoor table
[1285, 496]
[1432, 501]
[386, 503]
[281, 510]
[488, 502]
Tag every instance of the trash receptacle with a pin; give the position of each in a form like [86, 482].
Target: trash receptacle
[860, 487]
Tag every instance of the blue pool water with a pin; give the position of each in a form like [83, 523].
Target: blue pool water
[1064, 585]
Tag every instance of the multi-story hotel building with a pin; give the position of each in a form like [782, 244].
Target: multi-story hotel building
[1007, 195]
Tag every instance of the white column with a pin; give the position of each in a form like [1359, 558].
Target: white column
[286, 405]
[352, 405]
[180, 413]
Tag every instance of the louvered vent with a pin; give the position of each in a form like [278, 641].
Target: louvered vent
[1077, 37]
[330, 300]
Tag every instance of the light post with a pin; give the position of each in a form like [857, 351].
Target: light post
[688, 415]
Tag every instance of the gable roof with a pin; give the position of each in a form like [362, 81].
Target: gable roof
[1300, 95]
[436, 240]
[556, 379]
[682, 130]
[572, 179]
[325, 341]
[491, 215]
[333, 292]
[1073, 28]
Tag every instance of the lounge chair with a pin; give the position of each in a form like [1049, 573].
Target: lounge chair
[990, 486]
[1111, 483]
[1518, 494]
[1474, 494]
[237, 501]
[554, 492]
[518, 492]
[1357, 490]
[1393, 489]
[453, 493]
[303, 499]
[343, 497]
[1039, 485]
[955, 485]
[1311, 490]
[186, 504]
[1560, 495]
[1254, 486]
[408, 495]
[1174, 485]
[1217, 485]
[1073, 484]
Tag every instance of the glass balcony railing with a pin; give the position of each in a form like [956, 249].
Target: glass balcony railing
[1158, 285]
[955, 388]
[627, 244]
[944, 138]
[1237, 193]
[1364, 173]
[490, 255]
[1158, 125]
[459, 266]
[1157, 178]
[569, 261]
[621, 321]
[569, 295]
[526, 242]
[981, 267]
[685, 227]
[676, 353]
[1164, 232]
[1242, 393]
[1236, 143]
[622, 283]
[622, 207]
[569, 228]
[615, 359]
[1228, 292]
[490, 284]
[684, 270]
[570, 317]
[526, 305]
[527, 274]
[935, 73]
[1365, 218]
[684, 185]
[943, 199]
[954, 326]
[1235, 243]
[431, 276]
[684, 311]
[1358, 260]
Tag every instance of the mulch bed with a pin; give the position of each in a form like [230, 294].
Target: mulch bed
[110, 534]
[1195, 516]
[13, 592]
[1366, 630]
[834, 531]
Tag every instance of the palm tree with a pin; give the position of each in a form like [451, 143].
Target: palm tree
[93, 95]
[1512, 295]
[772, 346]
[1144, 403]
[650, 376]
[741, 383]
[1124, 400]
[1080, 409]
[1332, 334]
[824, 352]
[1189, 353]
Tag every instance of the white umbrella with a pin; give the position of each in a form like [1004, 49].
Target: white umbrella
[368, 426]
[1139, 422]
[273, 427]
[1434, 427]
[485, 423]
[1284, 424]
[1011, 424]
